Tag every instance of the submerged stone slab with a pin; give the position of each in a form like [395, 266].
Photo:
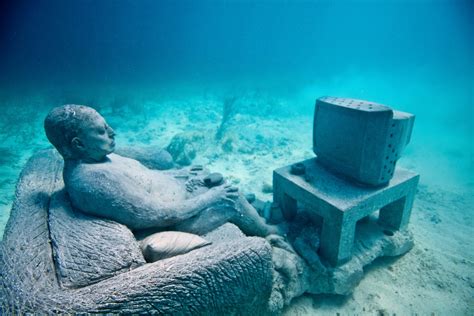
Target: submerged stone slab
[341, 203]
[300, 269]
[371, 242]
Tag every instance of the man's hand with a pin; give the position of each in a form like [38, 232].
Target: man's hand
[224, 195]
[193, 184]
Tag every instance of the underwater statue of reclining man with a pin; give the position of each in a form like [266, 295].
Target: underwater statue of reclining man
[108, 185]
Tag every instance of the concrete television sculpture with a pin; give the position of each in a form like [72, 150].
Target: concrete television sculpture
[358, 139]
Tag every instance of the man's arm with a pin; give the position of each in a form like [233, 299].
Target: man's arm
[108, 195]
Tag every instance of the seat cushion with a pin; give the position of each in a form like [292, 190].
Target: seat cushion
[88, 249]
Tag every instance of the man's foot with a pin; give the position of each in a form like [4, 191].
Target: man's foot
[280, 229]
[279, 241]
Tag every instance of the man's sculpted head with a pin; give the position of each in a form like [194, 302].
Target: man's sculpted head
[79, 132]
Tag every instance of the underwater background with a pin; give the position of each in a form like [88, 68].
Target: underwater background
[237, 81]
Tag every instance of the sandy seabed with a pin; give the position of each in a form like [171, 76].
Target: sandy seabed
[435, 278]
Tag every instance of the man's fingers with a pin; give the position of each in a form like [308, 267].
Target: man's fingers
[229, 201]
[232, 195]
[232, 189]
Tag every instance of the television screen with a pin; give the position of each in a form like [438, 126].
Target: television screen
[359, 139]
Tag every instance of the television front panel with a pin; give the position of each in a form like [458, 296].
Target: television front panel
[358, 139]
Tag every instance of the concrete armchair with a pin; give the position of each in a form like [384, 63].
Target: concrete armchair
[54, 259]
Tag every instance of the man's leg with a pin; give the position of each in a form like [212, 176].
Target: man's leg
[206, 221]
[248, 220]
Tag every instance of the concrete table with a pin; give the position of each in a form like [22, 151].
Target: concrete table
[341, 203]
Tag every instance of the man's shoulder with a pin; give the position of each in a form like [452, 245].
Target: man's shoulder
[88, 173]
[94, 168]
[114, 169]
[116, 160]
[113, 162]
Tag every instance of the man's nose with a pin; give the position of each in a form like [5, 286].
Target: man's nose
[111, 131]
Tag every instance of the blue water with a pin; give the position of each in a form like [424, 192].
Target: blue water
[137, 60]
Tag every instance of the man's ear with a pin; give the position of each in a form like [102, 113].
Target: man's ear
[77, 143]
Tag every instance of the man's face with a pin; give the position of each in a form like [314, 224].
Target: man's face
[96, 139]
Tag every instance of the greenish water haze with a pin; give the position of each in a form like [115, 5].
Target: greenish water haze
[414, 55]
[284, 45]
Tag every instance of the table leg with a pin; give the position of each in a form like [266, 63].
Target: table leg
[397, 214]
[288, 205]
[337, 238]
